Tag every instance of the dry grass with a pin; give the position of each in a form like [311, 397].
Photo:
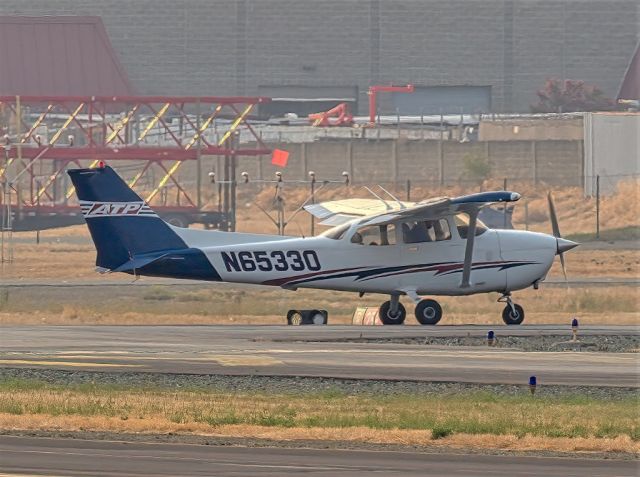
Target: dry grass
[577, 214]
[474, 419]
[250, 305]
[619, 444]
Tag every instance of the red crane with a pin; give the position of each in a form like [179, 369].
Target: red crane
[337, 116]
[373, 97]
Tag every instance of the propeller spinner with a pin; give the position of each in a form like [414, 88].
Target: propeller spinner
[563, 245]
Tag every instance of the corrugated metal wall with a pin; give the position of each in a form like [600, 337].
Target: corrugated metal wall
[443, 99]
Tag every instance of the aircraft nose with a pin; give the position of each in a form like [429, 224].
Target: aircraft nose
[565, 245]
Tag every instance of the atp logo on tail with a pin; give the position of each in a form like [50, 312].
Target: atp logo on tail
[115, 209]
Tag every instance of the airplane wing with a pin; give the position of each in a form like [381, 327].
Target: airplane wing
[381, 212]
[337, 212]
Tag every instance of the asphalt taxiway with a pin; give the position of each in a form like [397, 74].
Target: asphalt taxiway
[286, 351]
[56, 457]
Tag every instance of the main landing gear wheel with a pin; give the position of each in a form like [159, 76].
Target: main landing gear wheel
[428, 312]
[389, 318]
[316, 317]
[295, 318]
[513, 316]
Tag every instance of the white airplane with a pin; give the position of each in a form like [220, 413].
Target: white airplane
[434, 247]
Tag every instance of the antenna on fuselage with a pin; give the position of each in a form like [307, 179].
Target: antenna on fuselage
[400, 204]
[386, 204]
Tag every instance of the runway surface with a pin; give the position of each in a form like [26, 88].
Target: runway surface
[57, 457]
[283, 351]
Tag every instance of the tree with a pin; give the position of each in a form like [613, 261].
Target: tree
[564, 96]
[476, 168]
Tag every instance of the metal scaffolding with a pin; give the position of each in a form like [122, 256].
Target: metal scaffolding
[44, 135]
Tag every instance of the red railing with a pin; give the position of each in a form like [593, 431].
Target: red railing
[44, 135]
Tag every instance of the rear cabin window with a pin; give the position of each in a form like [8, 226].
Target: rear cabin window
[375, 235]
[420, 231]
[462, 223]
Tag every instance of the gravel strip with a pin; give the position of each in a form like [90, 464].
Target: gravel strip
[299, 385]
[602, 343]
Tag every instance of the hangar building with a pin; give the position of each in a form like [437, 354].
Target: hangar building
[462, 55]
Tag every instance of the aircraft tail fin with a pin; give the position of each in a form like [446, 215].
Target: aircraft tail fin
[122, 224]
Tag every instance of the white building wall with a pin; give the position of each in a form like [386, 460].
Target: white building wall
[611, 150]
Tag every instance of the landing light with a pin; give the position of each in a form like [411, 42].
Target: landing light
[491, 338]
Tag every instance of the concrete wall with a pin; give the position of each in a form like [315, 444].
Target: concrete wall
[531, 129]
[227, 47]
[612, 150]
[427, 162]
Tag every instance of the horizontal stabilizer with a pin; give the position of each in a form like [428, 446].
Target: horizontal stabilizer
[139, 262]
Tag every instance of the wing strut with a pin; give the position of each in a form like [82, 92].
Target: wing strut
[468, 252]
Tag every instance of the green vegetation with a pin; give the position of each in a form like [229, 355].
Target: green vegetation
[631, 232]
[467, 413]
[476, 167]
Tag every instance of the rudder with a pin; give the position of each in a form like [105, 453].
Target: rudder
[121, 224]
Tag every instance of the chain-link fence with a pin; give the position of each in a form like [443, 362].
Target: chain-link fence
[612, 216]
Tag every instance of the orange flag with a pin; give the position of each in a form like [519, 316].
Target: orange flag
[279, 158]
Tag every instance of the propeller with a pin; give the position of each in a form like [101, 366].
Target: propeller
[563, 245]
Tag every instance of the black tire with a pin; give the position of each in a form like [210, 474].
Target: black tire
[295, 318]
[177, 220]
[387, 318]
[428, 312]
[510, 318]
[316, 317]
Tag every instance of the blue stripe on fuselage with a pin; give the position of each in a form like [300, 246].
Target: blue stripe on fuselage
[191, 263]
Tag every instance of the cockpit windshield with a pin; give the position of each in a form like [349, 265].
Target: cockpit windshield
[462, 223]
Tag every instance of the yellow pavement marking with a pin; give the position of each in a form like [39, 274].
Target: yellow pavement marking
[225, 360]
[29, 475]
[82, 351]
[246, 360]
[67, 363]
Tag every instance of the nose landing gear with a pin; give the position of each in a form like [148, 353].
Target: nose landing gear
[513, 314]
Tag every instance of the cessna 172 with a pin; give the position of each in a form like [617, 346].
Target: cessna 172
[434, 247]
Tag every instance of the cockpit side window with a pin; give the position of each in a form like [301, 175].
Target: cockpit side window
[441, 229]
[375, 235]
[415, 232]
[420, 231]
[462, 224]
